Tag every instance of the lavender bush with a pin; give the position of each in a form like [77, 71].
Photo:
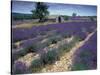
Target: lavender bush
[20, 68]
[38, 38]
[86, 56]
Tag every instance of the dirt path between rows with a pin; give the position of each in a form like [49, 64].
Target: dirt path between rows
[65, 62]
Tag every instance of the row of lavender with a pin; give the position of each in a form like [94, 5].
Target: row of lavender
[82, 19]
[86, 56]
[71, 28]
[52, 34]
[47, 55]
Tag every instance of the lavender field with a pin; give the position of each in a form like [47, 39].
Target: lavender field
[87, 55]
[50, 38]
[54, 45]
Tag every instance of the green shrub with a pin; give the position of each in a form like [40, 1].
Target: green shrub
[92, 18]
[54, 39]
[18, 54]
[36, 65]
[67, 47]
[78, 38]
[50, 57]
[66, 17]
[66, 35]
[22, 52]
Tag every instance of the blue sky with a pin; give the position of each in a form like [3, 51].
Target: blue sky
[55, 8]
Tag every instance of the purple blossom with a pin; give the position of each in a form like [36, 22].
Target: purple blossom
[20, 68]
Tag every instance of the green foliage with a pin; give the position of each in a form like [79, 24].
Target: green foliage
[54, 39]
[40, 11]
[50, 57]
[66, 47]
[78, 38]
[74, 14]
[66, 17]
[18, 54]
[92, 18]
[66, 35]
[36, 65]
[23, 52]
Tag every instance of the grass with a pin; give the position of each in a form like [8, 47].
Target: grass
[31, 24]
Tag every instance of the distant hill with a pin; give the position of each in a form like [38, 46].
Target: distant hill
[17, 14]
[20, 16]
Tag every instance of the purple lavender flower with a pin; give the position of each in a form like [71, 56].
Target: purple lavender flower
[20, 68]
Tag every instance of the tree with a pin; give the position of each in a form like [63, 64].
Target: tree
[40, 11]
[74, 14]
[91, 18]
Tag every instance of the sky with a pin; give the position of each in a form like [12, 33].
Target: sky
[55, 8]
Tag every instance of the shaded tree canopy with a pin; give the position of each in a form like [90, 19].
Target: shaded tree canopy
[74, 14]
[40, 11]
